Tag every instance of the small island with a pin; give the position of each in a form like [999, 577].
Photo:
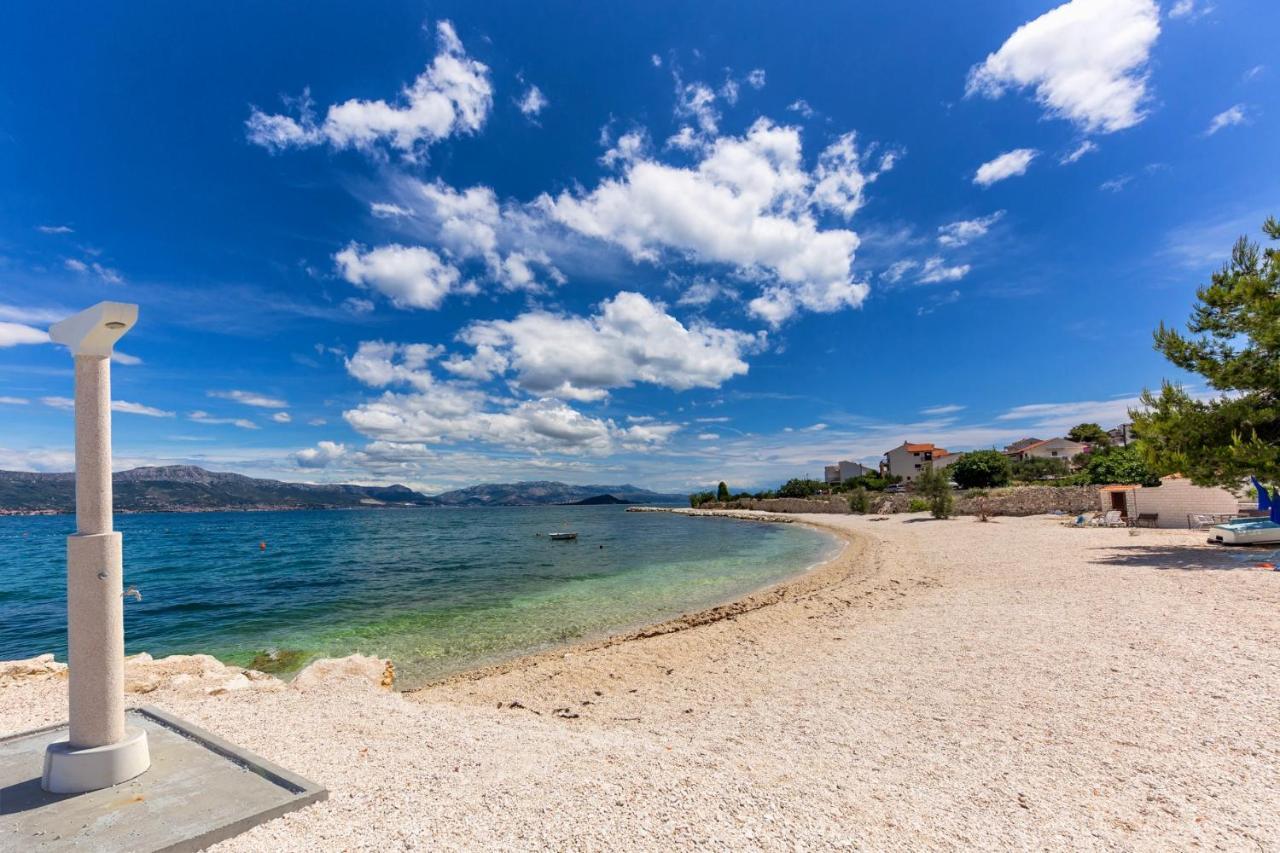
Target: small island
[598, 500]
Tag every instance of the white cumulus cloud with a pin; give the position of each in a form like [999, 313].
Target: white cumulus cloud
[1008, 165]
[410, 276]
[631, 339]
[1087, 61]
[748, 203]
[320, 456]
[447, 415]
[453, 95]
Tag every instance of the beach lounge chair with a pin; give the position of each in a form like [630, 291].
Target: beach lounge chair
[1111, 518]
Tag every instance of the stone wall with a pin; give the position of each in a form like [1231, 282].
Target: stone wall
[1012, 500]
[831, 504]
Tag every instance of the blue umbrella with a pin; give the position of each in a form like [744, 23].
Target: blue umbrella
[1264, 500]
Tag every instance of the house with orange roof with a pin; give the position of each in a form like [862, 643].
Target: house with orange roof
[1053, 448]
[909, 459]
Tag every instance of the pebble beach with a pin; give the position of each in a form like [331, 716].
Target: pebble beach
[938, 685]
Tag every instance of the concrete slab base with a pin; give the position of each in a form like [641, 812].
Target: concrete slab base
[68, 770]
[199, 790]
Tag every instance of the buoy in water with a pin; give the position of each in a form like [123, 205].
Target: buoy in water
[262, 546]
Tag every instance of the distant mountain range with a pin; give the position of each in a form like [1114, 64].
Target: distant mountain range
[542, 492]
[187, 488]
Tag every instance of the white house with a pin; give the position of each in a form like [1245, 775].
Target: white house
[1053, 448]
[908, 459]
[1173, 503]
[845, 470]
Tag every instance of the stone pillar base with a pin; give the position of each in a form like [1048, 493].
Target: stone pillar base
[72, 770]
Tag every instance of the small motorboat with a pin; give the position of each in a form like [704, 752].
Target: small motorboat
[562, 537]
[1251, 531]
[1246, 531]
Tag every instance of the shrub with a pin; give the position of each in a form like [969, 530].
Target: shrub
[871, 482]
[859, 501]
[1036, 468]
[981, 469]
[697, 499]
[935, 486]
[917, 505]
[980, 507]
[800, 488]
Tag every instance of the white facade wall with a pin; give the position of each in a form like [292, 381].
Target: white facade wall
[1056, 448]
[948, 460]
[906, 464]
[848, 470]
[1174, 500]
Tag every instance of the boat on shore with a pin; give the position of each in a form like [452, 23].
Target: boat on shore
[1246, 531]
[1256, 530]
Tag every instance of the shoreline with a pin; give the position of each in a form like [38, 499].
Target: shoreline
[811, 578]
[763, 596]
[51, 513]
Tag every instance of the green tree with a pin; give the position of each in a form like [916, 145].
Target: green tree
[1119, 465]
[1089, 434]
[697, 499]
[1233, 341]
[981, 469]
[799, 488]
[859, 501]
[722, 492]
[935, 487]
[1035, 468]
[872, 482]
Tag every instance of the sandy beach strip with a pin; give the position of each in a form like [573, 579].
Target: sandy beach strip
[940, 685]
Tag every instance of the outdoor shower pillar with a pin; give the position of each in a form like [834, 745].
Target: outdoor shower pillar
[99, 751]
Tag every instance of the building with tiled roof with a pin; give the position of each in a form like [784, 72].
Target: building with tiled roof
[910, 458]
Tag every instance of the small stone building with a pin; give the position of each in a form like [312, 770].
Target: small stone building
[1173, 502]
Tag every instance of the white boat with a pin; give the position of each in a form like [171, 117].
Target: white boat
[1246, 531]
[562, 537]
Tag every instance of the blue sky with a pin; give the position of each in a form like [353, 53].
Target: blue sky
[667, 245]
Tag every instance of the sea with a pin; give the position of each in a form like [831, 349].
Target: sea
[435, 590]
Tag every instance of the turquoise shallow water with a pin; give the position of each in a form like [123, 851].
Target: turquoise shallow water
[435, 590]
